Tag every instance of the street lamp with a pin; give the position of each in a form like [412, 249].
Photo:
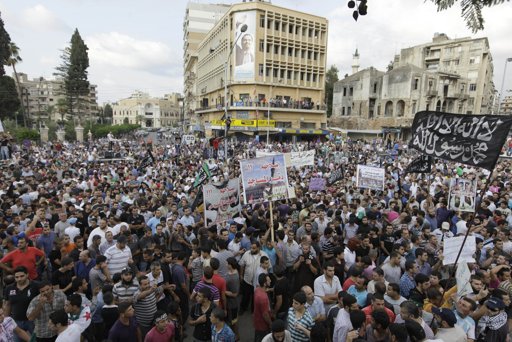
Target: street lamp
[503, 83]
[228, 120]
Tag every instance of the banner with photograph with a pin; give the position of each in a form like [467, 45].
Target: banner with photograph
[451, 247]
[462, 196]
[245, 48]
[221, 202]
[469, 139]
[316, 184]
[264, 179]
[369, 177]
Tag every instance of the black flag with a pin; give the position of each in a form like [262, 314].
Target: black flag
[148, 160]
[422, 164]
[469, 139]
[335, 176]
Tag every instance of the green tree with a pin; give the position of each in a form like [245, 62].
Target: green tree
[9, 101]
[108, 112]
[5, 52]
[73, 71]
[14, 59]
[331, 77]
[471, 10]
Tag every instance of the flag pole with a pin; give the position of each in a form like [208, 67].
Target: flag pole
[271, 220]
[469, 229]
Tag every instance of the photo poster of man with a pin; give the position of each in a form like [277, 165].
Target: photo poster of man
[264, 179]
[369, 177]
[245, 48]
[221, 202]
[462, 194]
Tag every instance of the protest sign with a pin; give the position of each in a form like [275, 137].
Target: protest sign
[335, 176]
[188, 139]
[462, 196]
[300, 159]
[469, 139]
[370, 177]
[221, 202]
[264, 179]
[422, 164]
[317, 184]
[453, 245]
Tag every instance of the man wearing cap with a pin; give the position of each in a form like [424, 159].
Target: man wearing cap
[444, 232]
[448, 329]
[72, 230]
[493, 325]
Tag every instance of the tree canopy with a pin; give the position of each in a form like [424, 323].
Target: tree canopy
[331, 77]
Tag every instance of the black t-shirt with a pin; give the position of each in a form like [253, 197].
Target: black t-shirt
[20, 299]
[202, 331]
[388, 240]
[282, 288]
[63, 279]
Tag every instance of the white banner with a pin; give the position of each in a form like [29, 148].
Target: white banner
[188, 139]
[369, 177]
[452, 246]
[300, 159]
[463, 276]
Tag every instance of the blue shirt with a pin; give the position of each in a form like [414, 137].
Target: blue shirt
[406, 285]
[360, 296]
[82, 270]
[46, 242]
[224, 335]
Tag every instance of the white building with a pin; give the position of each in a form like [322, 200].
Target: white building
[148, 111]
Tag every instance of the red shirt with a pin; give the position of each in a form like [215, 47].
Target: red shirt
[368, 312]
[156, 336]
[261, 306]
[28, 259]
[349, 282]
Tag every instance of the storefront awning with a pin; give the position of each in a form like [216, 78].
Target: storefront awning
[304, 131]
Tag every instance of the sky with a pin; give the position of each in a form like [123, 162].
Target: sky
[138, 45]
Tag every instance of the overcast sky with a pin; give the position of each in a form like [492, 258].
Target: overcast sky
[138, 45]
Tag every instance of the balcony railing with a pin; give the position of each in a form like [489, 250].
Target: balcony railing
[303, 105]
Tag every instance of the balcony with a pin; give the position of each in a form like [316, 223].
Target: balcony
[432, 93]
[276, 105]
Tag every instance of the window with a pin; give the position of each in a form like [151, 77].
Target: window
[472, 87]
[262, 45]
[343, 111]
[290, 51]
[474, 60]
[308, 77]
[375, 87]
[314, 77]
[351, 91]
[269, 24]
[309, 54]
[283, 50]
[349, 111]
[275, 72]
[291, 28]
[276, 49]
[289, 74]
[344, 91]
[269, 47]
[416, 82]
[262, 21]
[455, 62]
[315, 56]
[260, 70]
[302, 76]
[276, 25]
[267, 72]
[297, 53]
[282, 73]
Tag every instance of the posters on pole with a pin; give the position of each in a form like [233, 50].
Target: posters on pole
[469, 139]
[452, 246]
[300, 159]
[221, 202]
[188, 139]
[317, 184]
[245, 48]
[463, 276]
[264, 179]
[369, 177]
[462, 196]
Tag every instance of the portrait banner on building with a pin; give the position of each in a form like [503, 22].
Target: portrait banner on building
[462, 196]
[422, 164]
[369, 177]
[264, 179]
[452, 246]
[317, 184]
[221, 201]
[245, 49]
[469, 139]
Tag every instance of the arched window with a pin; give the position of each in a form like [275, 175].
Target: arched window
[400, 108]
[388, 110]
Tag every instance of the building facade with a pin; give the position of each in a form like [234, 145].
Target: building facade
[275, 61]
[199, 20]
[506, 106]
[448, 75]
[147, 111]
[43, 99]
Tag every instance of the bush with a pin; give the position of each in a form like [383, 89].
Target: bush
[26, 134]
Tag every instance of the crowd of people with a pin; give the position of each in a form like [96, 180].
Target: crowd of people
[119, 250]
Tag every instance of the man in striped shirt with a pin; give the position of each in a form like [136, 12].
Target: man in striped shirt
[207, 281]
[124, 290]
[144, 303]
[300, 321]
[118, 256]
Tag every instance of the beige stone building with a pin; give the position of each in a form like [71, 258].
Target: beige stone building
[506, 105]
[449, 75]
[275, 73]
[43, 98]
[147, 111]
[199, 20]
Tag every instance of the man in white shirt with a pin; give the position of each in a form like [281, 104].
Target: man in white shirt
[118, 256]
[327, 286]
[101, 230]
[67, 332]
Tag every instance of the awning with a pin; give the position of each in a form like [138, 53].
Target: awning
[304, 131]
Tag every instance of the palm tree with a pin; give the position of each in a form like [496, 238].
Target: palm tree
[14, 59]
